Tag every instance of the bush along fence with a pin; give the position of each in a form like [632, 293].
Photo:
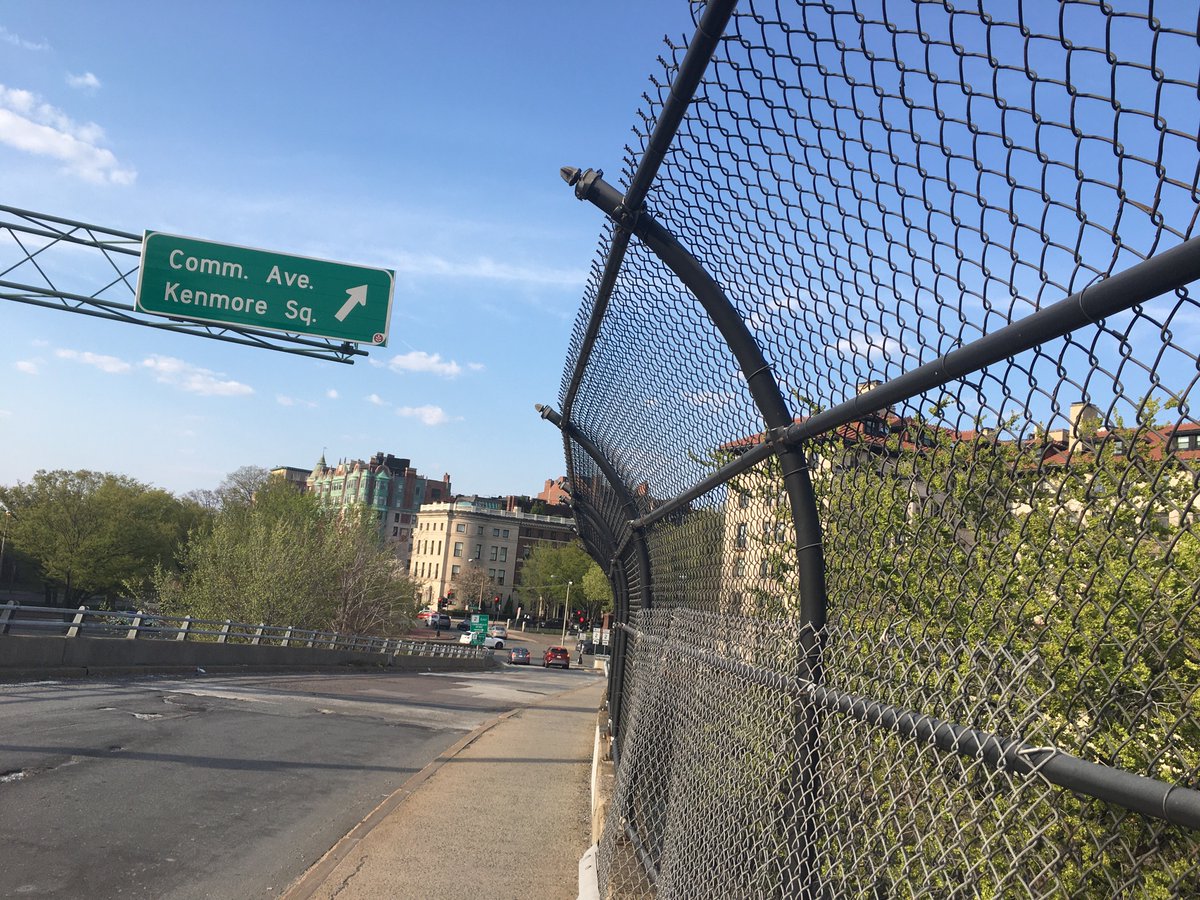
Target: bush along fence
[878, 412]
[162, 640]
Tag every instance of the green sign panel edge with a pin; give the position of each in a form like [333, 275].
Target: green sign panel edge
[249, 287]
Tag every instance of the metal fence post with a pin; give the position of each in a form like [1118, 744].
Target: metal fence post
[135, 625]
[5, 615]
[77, 622]
[184, 626]
[224, 632]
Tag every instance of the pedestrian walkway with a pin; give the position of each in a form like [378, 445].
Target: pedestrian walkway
[503, 813]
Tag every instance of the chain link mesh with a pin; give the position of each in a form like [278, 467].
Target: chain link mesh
[1013, 558]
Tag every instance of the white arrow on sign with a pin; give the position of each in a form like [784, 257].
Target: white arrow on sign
[358, 297]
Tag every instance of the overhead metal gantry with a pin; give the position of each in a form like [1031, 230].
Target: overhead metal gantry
[75, 267]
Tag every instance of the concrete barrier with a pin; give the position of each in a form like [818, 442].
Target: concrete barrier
[30, 654]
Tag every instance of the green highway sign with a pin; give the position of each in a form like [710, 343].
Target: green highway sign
[224, 284]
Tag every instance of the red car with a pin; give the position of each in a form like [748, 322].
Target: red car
[556, 656]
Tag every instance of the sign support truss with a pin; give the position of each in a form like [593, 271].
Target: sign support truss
[43, 257]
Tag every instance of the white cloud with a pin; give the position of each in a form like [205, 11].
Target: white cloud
[867, 346]
[87, 81]
[376, 400]
[17, 41]
[332, 394]
[475, 367]
[285, 400]
[428, 415]
[420, 361]
[28, 366]
[110, 364]
[487, 269]
[35, 127]
[711, 399]
[194, 379]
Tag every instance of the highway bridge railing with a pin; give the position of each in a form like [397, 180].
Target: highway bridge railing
[191, 639]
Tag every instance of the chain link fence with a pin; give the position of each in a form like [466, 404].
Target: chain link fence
[878, 409]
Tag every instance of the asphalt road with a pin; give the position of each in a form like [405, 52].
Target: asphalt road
[218, 787]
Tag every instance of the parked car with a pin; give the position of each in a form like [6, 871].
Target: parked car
[464, 625]
[423, 615]
[488, 641]
[439, 620]
[556, 656]
[498, 631]
[519, 656]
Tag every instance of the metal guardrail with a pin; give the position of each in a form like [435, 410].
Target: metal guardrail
[85, 622]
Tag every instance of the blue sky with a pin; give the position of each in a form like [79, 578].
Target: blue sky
[421, 137]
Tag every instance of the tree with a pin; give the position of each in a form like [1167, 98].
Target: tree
[94, 532]
[597, 590]
[473, 585]
[240, 485]
[283, 559]
[547, 571]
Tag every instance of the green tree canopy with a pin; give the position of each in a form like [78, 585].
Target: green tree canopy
[597, 589]
[547, 571]
[282, 559]
[95, 532]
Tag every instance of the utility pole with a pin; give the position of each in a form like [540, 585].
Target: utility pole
[566, 607]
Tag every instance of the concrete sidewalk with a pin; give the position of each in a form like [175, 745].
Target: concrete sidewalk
[505, 812]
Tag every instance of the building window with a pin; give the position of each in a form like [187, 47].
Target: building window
[480, 531]
[458, 548]
[460, 528]
[492, 574]
[739, 568]
[741, 536]
[500, 577]
[875, 428]
[395, 530]
[504, 533]
[1184, 442]
[762, 569]
[478, 551]
[743, 499]
[397, 517]
[495, 532]
[455, 571]
[503, 554]
[492, 555]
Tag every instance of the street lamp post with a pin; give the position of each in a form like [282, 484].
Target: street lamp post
[478, 560]
[566, 607]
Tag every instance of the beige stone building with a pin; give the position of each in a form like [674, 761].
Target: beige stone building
[450, 538]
